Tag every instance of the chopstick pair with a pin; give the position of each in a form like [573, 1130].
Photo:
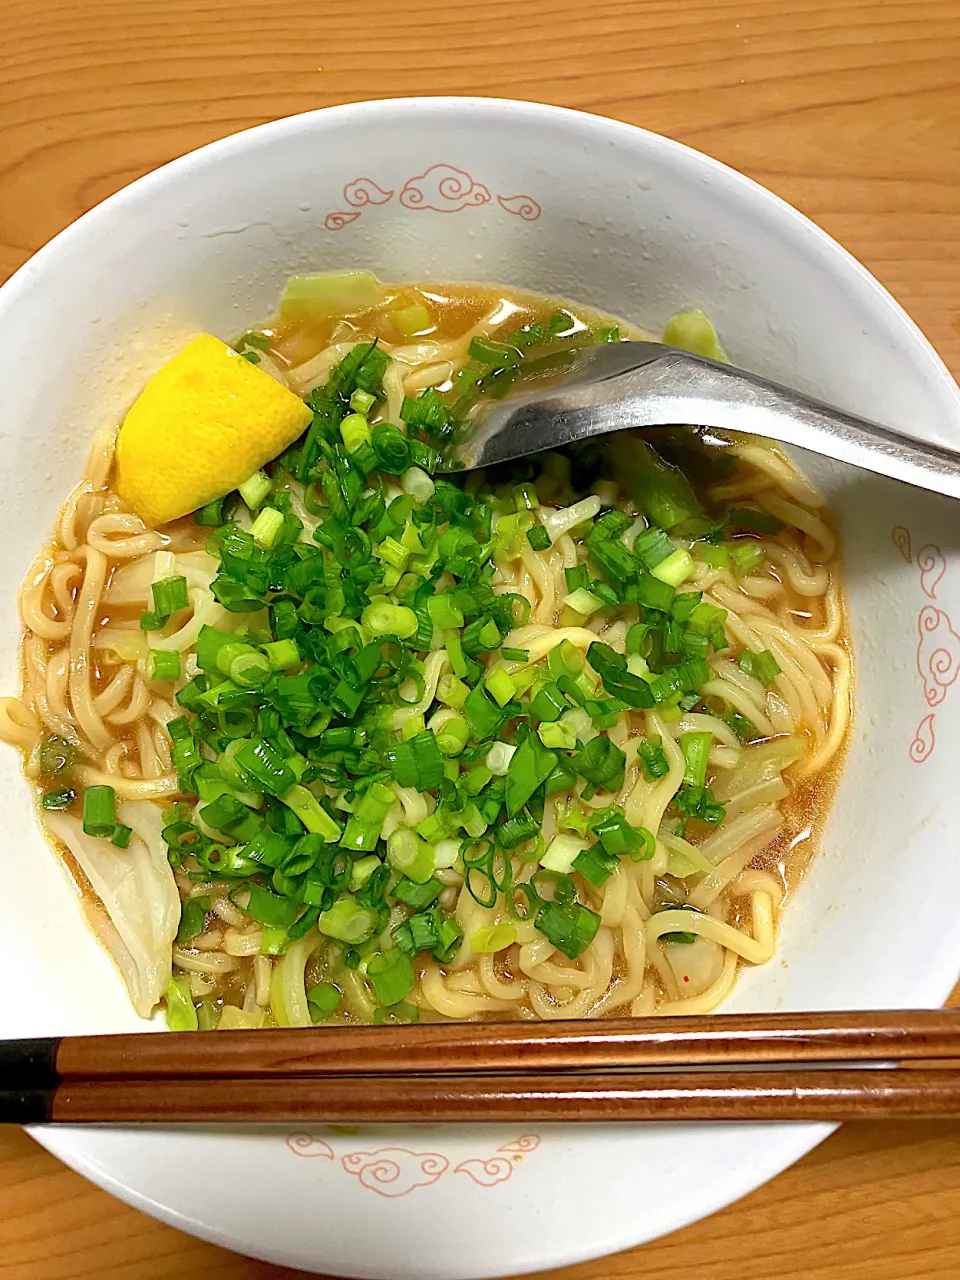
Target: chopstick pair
[698, 1068]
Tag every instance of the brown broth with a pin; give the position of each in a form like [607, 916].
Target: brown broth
[455, 308]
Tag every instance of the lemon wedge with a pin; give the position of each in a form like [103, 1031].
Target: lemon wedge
[201, 426]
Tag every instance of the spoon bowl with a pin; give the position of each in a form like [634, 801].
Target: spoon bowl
[616, 386]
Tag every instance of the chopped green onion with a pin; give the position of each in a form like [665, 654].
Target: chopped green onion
[595, 864]
[418, 484]
[677, 566]
[583, 601]
[209, 643]
[391, 975]
[601, 762]
[514, 655]
[558, 736]
[270, 909]
[282, 654]
[654, 758]
[489, 351]
[717, 557]
[498, 758]
[538, 537]
[653, 547]
[564, 659]
[193, 918]
[323, 999]
[170, 596]
[483, 716]
[617, 836]
[391, 447]
[491, 938]
[58, 800]
[561, 853]
[390, 620]
[416, 895]
[452, 736]
[243, 664]
[745, 557]
[451, 691]
[444, 612]
[355, 432]
[548, 703]
[412, 320]
[255, 490]
[530, 766]
[267, 527]
[121, 836]
[99, 811]
[362, 870]
[211, 515]
[762, 666]
[417, 763]
[362, 401]
[480, 636]
[500, 686]
[696, 751]
[618, 680]
[523, 826]
[348, 922]
[570, 928]
[164, 665]
[310, 812]
[410, 855]
[664, 493]
[754, 521]
[652, 593]
[698, 802]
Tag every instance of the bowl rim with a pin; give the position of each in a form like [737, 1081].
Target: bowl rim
[776, 206]
[811, 239]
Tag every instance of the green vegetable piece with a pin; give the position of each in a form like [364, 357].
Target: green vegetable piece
[181, 1015]
[329, 294]
[692, 331]
[391, 975]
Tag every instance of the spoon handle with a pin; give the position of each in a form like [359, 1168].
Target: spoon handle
[679, 388]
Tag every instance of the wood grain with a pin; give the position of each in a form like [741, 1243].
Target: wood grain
[521, 1048]
[850, 109]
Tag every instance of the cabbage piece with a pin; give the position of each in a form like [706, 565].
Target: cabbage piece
[328, 294]
[692, 331]
[127, 644]
[138, 892]
[131, 583]
[760, 763]
[683, 858]
[234, 1019]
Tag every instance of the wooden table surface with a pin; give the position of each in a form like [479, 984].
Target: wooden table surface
[850, 109]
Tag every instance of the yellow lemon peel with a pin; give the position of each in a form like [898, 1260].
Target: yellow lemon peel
[201, 426]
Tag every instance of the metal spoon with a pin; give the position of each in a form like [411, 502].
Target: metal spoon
[619, 385]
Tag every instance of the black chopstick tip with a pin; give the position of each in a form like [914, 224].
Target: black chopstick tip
[29, 1064]
[26, 1106]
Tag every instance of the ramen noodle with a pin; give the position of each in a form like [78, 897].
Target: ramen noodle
[359, 741]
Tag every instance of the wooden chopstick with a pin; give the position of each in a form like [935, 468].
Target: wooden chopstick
[833, 1094]
[486, 1047]
[630, 1069]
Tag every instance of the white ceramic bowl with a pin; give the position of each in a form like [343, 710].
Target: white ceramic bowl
[458, 189]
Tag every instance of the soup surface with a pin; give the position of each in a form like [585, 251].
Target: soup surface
[361, 742]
